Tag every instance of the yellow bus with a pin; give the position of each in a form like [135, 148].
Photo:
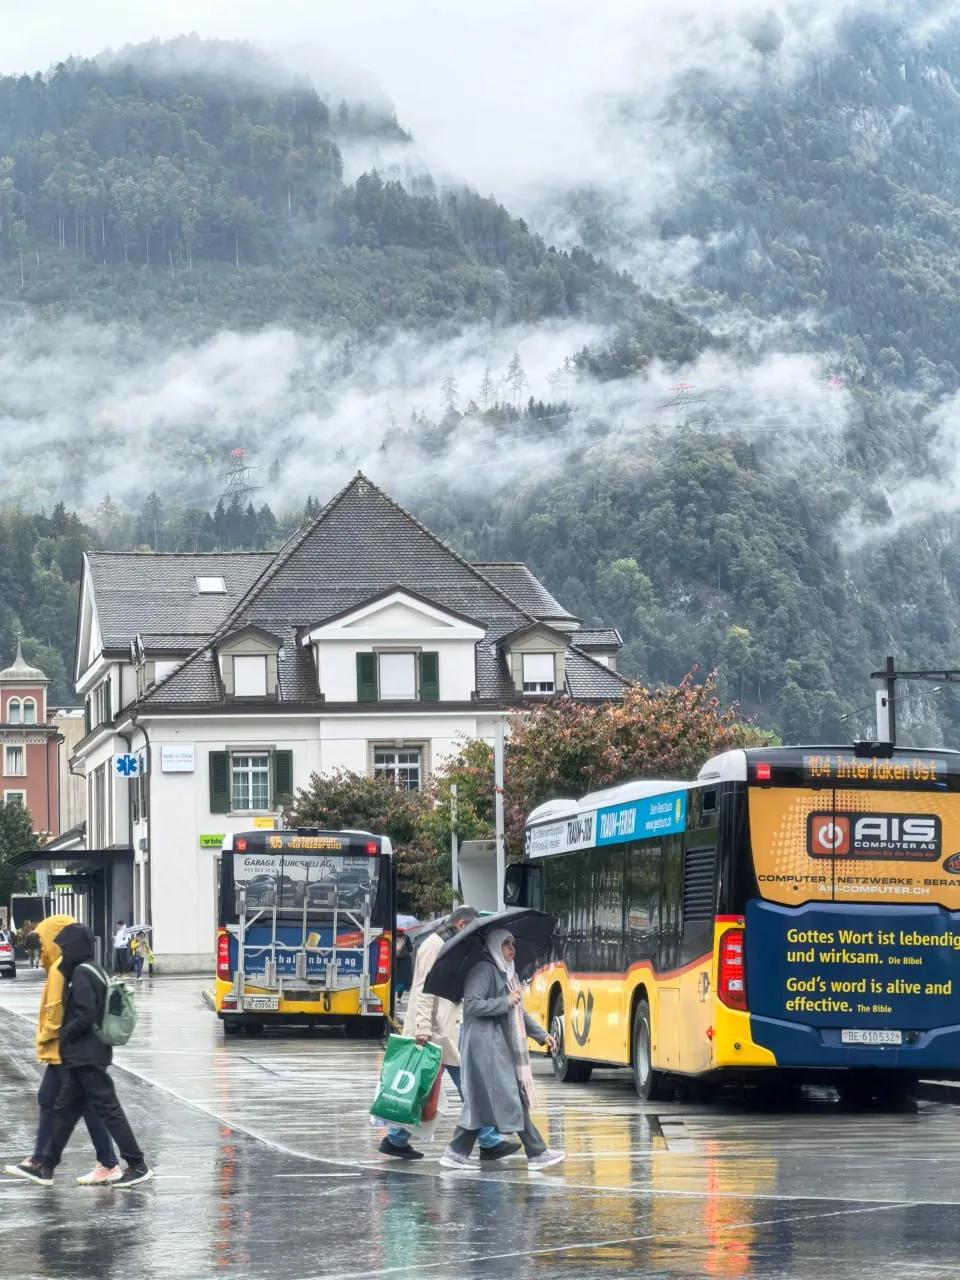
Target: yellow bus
[793, 910]
[306, 930]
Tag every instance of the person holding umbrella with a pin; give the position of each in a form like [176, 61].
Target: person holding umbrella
[497, 1080]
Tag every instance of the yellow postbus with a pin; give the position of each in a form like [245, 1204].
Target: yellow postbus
[793, 910]
[306, 930]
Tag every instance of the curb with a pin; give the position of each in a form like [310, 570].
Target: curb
[938, 1091]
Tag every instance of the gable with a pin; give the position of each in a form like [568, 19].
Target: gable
[398, 617]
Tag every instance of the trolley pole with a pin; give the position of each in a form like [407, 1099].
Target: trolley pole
[498, 749]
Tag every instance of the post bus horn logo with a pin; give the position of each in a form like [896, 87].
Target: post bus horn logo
[582, 1015]
[952, 864]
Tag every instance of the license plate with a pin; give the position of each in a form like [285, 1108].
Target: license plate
[261, 1002]
[871, 1037]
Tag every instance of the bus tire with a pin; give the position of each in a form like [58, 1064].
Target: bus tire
[231, 1028]
[652, 1086]
[363, 1028]
[253, 1028]
[568, 1070]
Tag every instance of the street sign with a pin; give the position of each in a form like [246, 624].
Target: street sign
[126, 766]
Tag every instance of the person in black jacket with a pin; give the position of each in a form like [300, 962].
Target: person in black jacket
[88, 1085]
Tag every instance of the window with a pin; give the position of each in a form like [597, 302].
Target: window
[29, 711]
[402, 765]
[250, 676]
[211, 586]
[398, 676]
[250, 781]
[13, 711]
[14, 765]
[16, 798]
[538, 673]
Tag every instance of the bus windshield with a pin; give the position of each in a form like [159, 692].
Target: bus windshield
[278, 873]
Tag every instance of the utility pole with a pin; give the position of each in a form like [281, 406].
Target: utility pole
[887, 696]
[454, 844]
[498, 749]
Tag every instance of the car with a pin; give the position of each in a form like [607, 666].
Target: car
[8, 966]
[262, 892]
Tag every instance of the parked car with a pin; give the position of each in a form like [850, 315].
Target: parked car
[8, 965]
[262, 892]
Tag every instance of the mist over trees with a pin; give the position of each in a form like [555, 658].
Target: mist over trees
[188, 198]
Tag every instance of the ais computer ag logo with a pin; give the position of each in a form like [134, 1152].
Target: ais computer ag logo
[892, 837]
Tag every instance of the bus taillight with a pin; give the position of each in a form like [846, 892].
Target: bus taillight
[731, 975]
[383, 959]
[223, 956]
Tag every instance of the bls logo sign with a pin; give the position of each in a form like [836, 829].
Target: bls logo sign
[895, 837]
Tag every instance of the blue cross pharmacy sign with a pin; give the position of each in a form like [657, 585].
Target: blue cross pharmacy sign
[126, 766]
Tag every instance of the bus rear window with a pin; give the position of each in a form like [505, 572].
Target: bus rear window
[290, 882]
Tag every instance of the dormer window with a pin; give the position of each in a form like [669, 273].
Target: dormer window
[539, 674]
[211, 586]
[398, 676]
[389, 676]
[250, 675]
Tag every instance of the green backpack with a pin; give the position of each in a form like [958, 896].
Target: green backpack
[119, 1012]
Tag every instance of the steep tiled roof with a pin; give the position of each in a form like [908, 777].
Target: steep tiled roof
[526, 591]
[597, 638]
[157, 594]
[361, 544]
[587, 678]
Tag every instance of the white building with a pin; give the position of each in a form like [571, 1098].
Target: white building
[365, 644]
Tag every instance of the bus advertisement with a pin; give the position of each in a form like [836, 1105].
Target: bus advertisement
[794, 908]
[306, 930]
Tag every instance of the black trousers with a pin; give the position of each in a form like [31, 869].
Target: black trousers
[89, 1089]
[120, 959]
[47, 1095]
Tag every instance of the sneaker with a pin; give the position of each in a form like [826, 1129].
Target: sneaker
[132, 1176]
[502, 1151]
[406, 1152]
[102, 1176]
[546, 1159]
[454, 1160]
[37, 1173]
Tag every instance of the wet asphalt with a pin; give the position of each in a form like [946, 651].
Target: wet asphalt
[267, 1167]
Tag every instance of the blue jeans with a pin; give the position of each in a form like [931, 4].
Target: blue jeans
[47, 1094]
[490, 1136]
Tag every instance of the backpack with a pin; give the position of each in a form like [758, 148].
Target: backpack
[119, 1015]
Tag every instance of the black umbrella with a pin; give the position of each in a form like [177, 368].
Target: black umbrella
[531, 929]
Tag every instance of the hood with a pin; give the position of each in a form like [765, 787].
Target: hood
[47, 931]
[76, 944]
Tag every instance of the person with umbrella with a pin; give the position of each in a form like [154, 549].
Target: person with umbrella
[497, 1080]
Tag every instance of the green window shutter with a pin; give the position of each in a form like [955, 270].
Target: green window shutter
[219, 782]
[366, 677]
[282, 776]
[430, 677]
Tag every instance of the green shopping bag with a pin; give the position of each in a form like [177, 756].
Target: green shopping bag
[408, 1074]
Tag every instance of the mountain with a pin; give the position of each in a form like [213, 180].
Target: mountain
[688, 471]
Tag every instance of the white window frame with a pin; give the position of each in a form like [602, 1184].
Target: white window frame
[14, 711]
[210, 585]
[7, 750]
[388, 654]
[539, 685]
[249, 770]
[393, 770]
[32, 704]
[246, 659]
[21, 798]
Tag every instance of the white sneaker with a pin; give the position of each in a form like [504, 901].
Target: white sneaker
[546, 1159]
[453, 1160]
[101, 1176]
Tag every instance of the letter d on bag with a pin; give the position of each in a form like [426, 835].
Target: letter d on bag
[404, 1082]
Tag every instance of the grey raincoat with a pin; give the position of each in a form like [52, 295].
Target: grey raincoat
[491, 1093]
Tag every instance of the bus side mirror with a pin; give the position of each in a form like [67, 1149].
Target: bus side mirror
[513, 884]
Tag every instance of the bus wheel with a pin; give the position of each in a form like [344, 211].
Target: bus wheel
[230, 1028]
[253, 1028]
[569, 1070]
[363, 1028]
[652, 1086]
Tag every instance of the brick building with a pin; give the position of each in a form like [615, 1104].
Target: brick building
[29, 765]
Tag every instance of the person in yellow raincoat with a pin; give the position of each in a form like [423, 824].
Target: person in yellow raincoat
[48, 1054]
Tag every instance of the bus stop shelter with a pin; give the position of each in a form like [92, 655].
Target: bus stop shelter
[95, 885]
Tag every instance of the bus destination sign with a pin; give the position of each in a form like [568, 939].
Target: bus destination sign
[838, 766]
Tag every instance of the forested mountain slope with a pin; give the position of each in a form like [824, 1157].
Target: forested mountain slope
[748, 522]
